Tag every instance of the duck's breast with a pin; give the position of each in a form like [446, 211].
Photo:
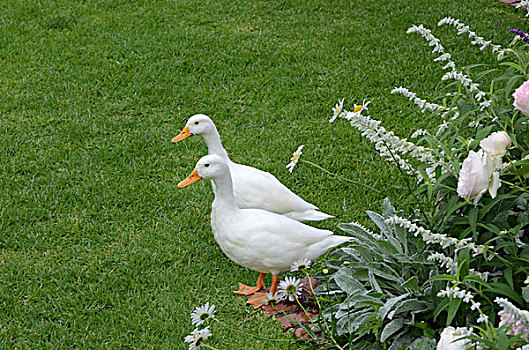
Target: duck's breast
[232, 239]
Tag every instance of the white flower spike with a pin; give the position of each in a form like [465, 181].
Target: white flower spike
[337, 109]
[294, 159]
[202, 313]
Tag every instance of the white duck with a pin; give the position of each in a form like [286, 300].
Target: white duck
[253, 188]
[254, 238]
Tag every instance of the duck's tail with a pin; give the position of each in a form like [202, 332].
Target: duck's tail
[334, 241]
[331, 241]
[309, 215]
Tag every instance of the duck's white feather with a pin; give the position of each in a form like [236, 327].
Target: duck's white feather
[267, 242]
[257, 239]
[254, 188]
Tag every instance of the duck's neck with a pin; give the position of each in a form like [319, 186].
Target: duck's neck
[215, 145]
[224, 193]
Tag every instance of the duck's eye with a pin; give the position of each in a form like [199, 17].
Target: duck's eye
[206, 165]
[196, 123]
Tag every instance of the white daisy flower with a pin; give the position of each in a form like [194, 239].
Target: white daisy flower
[301, 264]
[360, 108]
[202, 313]
[190, 338]
[294, 159]
[337, 109]
[197, 337]
[272, 299]
[290, 288]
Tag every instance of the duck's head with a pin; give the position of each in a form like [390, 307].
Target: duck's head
[208, 167]
[199, 124]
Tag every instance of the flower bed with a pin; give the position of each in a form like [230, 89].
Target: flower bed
[453, 274]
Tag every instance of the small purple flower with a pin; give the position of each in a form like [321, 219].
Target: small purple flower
[496, 24]
[521, 34]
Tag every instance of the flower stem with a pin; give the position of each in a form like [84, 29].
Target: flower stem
[338, 176]
[320, 308]
[515, 186]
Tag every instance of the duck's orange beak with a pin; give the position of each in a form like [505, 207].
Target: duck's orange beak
[182, 136]
[191, 179]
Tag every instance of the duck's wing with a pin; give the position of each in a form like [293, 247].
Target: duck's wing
[254, 188]
[269, 242]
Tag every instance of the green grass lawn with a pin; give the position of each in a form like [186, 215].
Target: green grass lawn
[99, 248]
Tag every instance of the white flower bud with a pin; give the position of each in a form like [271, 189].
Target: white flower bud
[496, 144]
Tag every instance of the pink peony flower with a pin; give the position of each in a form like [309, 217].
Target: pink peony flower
[473, 177]
[521, 98]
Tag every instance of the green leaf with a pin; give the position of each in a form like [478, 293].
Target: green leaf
[510, 84]
[484, 132]
[357, 231]
[507, 274]
[441, 278]
[426, 329]
[376, 268]
[464, 108]
[443, 304]
[422, 343]
[358, 251]
[412, 283]
[346, 281]
[489, 206]
[350, 322]
[388, 248]
[413, 305]
[463, 263]
[452, 209]
[353, 253]
[387, 209]
[452, 310]
[473, 219]
[373, 282]
[512, 64]
[362, 298]
[504, 289]
[491, 228]
[505, 244]
[391, 328]
[474, 65]
[525, 294]
[471, 278]
[390, 303]
[480, 75]
[385, 229]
